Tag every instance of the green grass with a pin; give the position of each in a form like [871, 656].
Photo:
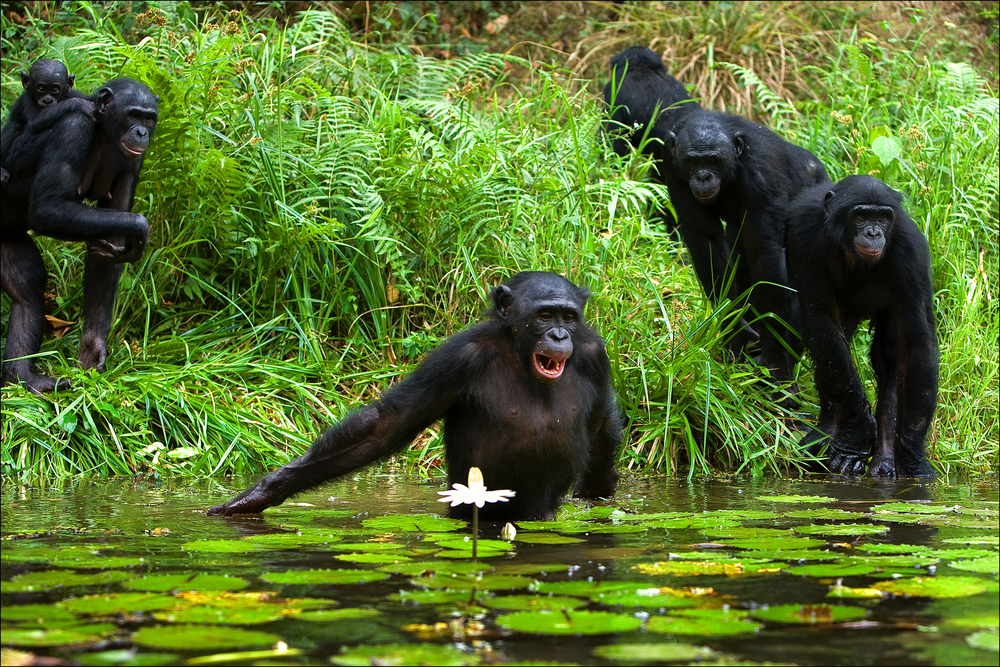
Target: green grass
[325, 210]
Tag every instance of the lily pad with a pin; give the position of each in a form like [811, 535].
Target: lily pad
[793, 498]
[304, 538]
[589, 588]
[221, 546]
[745, 515]
[571, 526]
[201, 637]
[413, 523]
[369, 547]
[440, 596]
[937, 587]
[221, 616]
[485, 545]
[530, 568]
[984, 541]
[891, 548]
[914, 508]
[489, 582]
[793, 555]
[644, 597]
[988, 565]
[404, 654]
[692, 522]
[327, 615]
[648, 654]
[467, 553]
[535, 602]
[46, 614]
[653, 516]
[961, 553]
[841, 529]
[739, 532]
[570, 511]
[776, 543]
[721, 624]
[988, 640]
[841, 591]
[49, 579]
[187, 582]
[546, 538]
[824, 513]
[569, 622]
[57, 636]
[849, 569]
[372, 558]
[435, 567]
[323, 577]
[118, 603]
[810, 614]
[692, 568]
[128, 657]
[618, 529]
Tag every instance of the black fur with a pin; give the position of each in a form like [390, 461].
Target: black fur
[725, 168]
[51, 174]
[535, 434]
[854, 254]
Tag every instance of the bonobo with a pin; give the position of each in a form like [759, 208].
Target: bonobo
[854, 254]
[644, 100]
[525, 395]
[725, 168]
[51, 174]
[48, 96]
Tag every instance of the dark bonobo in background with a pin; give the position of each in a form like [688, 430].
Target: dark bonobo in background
[725, 168]
[525, 395]
[854, 254]
[641, 89]
[51, 174]
[48, 96]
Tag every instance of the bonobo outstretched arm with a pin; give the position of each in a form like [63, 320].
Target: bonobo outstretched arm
[381, 428]
[601, 478]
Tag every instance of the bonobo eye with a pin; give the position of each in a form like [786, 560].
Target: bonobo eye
[544, 315]
[569, 317]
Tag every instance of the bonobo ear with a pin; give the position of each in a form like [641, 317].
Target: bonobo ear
[739, 143]
[70, 80]
[503, 297]
[826, 201]
[157, 98]
[25, 79]
[105, 96]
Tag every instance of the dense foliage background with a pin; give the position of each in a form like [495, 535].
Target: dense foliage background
[333, 192]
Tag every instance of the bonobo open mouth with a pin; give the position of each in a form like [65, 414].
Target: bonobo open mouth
[548, 368]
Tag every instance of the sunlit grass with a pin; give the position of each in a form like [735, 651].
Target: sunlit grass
[325, 211]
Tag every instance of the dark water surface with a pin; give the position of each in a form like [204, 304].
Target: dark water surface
[366, 571]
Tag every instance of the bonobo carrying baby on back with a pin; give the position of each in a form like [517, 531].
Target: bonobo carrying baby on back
[48, 96]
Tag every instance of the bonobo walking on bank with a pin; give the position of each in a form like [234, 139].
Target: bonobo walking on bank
[51, 174]
[726, 168]
[525, 396]
[644, 101]
[48, 96]
[854, 254]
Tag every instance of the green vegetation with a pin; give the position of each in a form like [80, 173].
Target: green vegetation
[327, 206]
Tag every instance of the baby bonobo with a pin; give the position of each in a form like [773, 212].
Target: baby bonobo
[525, 396]
[48, 96]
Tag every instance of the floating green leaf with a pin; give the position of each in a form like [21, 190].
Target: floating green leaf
[988, 640]
[126, 657]
[49, 579]
[777, 543]
[57, 636]
[988, 565]
[323, 577]
[305, 538]
[220, 616]
[695, 567]
[413, 523]
[569, 622]
[841, 529]
[404, 654]
[97, 562]
[692, 522]
[808, 613]
[618, 529]
[221, 546]
[914, 508]
[546, 538]
[738, 532]
[793, 555]
[489, 582]
[841, 591]
[570, 511]
[937, 587]
[849, 569]
[571, 526]
[589, 588]
[200, 637]
[187, 582]
[461, 544]
[984, 541]
[437, 596]
[327, 615]
[373, 558]
[369, 547]
[960, 553]
[435, 567]
[530, 568]
[891, 548]
[535, 602]
[644, 597]
[654, 516]
[797, 499]
[824, 513]
[37, 613]
[467, 553]
[648, 654]
[118, 603]
[720, 623]
[744, 515]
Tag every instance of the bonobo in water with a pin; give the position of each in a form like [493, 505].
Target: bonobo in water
[643, 97]
[854, 254]
[48, 96]
[725, 168]
[51, 174]
[525, 396]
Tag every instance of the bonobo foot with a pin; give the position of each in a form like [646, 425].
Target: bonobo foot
[846, 463]
[597, 488]
[4, 176]
[743, 342]
[882, 466]
[252, 501]
[93, 353]
[35, 382]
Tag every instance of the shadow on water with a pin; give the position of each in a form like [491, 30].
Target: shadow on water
[368, 571]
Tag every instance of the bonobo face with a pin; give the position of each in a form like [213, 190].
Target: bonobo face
[706, 155]
[129, 112]
[871, 226]
[544, 311]
[48, 82]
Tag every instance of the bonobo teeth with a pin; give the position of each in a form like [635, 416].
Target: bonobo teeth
[548, 366]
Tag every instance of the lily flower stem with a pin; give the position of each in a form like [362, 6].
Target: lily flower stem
[475, 530]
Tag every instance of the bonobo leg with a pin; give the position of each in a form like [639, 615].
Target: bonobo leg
[886, 358]
[23, 277]
[918, 394]
[100, 284]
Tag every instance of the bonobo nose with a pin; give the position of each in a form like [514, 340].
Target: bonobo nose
[141, 131]
[560, 334]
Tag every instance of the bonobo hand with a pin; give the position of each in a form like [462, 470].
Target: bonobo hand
[743, 340]
[252, 501]
[882, 466]
[121, 249]
[93, 352]
[35, 382]
[603, 487]
[4, 176]
[84, 106]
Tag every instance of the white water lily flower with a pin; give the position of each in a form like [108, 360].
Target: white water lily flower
[475, 493]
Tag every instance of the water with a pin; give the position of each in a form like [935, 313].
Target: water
[706, 583]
